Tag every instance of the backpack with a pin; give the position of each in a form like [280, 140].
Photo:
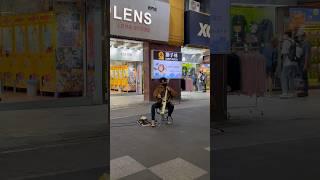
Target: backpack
[203, 78]
[292, 55]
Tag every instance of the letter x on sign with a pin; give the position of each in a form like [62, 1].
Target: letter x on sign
[204, 30]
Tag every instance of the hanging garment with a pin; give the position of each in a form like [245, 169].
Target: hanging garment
[233, 73]
[239, 22]
[265, 31]
[253, 73]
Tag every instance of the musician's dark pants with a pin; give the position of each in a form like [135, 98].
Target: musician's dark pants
[158, 105]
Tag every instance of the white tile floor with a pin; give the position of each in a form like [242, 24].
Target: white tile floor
[124, 166]
[176, 169]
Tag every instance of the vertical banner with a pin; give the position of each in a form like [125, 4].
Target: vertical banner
[220, 41]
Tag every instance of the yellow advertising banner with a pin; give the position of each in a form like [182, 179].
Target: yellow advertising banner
[27, 50]
[176, 33]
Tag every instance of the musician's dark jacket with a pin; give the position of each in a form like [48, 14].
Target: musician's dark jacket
[161, 89]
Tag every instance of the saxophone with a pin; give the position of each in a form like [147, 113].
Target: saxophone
[164, 101]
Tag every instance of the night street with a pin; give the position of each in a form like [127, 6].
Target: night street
[234, 85]
[84, 159]
[283, 144]
[291, 159]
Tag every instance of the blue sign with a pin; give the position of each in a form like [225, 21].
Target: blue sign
[166, 65]
[220, 41]
[197, 28]
[310, 14]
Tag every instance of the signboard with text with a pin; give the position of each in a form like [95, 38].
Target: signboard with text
[305, 14]
[140, 19]
[166, 65]
[122, 54]
[220, 42]
[197, 28]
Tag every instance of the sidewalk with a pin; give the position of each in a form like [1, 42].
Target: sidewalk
[41, 126]
[283, 119]
[129, 100]
[280, 145]
[180, 151]
[49, 125]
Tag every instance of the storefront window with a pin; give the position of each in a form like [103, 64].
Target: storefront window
[126, 66]
[252, 26]
[195, 61]
[307, 20]
[41, 50]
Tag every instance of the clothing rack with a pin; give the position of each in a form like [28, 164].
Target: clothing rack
[251, 108]
[255, 105]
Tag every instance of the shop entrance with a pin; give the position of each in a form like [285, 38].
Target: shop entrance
[126, 67]
[195, 60]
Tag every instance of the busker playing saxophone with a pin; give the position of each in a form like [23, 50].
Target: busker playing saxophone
[160, 93]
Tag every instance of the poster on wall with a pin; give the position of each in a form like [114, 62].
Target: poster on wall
[166, 65]
[19, 37]
[7, 41]
[33, 34]
[70, 80]
[47, 37]
[69, 58]
[310, 15]
[252, 25]
[220, 41]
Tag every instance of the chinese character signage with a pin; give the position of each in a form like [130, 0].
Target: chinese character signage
[220, 40]
[167, 65]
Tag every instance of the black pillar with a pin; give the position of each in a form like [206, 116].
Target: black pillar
[218, 98]
[106, 50]
[105, 5]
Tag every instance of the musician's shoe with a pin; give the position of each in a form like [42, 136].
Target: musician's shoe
[153, 123]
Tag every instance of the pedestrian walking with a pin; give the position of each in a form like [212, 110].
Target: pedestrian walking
[289, 65]
[304, 56]
[199, 82]
[270, 53]
[194, 81]
[204, 81]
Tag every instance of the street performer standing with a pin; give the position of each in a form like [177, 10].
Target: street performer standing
[159, 94]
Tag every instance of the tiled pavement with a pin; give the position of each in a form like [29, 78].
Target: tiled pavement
[128, 168]
[170, 152]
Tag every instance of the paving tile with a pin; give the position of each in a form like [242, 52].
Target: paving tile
[143, 175]
[124, 166]
[177, 169]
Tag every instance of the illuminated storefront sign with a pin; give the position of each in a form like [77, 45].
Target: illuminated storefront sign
[140, 19]
[167, 65]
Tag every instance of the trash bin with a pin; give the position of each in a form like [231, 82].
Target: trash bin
[32, 88]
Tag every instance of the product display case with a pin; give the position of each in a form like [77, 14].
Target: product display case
[313, 37]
